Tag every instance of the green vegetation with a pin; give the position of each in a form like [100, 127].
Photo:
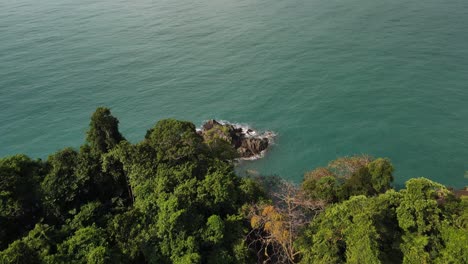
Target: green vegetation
[175, 198]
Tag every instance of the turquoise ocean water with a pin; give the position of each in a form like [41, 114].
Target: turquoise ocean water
[331, 77]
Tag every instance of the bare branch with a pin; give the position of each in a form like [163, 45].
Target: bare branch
[277, 226]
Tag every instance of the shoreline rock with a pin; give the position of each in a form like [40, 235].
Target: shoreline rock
[249, 143]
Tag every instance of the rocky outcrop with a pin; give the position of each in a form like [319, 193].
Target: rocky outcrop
[252, 146]
[247, 142]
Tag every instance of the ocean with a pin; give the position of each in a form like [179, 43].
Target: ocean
[330, 77]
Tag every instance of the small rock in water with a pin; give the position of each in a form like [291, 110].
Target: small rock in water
[248, 144]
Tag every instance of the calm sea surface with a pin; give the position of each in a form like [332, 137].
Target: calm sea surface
[331, 77]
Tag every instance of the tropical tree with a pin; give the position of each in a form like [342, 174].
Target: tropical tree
[20, 201]
[103, 133]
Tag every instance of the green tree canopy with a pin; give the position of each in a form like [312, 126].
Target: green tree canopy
[20, 205]
[174, 197]
[175, 141]
[103, 133]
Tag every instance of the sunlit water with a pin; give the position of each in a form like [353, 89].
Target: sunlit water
[331, 77]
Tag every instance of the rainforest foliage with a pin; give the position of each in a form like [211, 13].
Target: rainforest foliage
[174, 198]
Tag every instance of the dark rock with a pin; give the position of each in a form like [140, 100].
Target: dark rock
[246, 145]
[210, 124]
[252, 146]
